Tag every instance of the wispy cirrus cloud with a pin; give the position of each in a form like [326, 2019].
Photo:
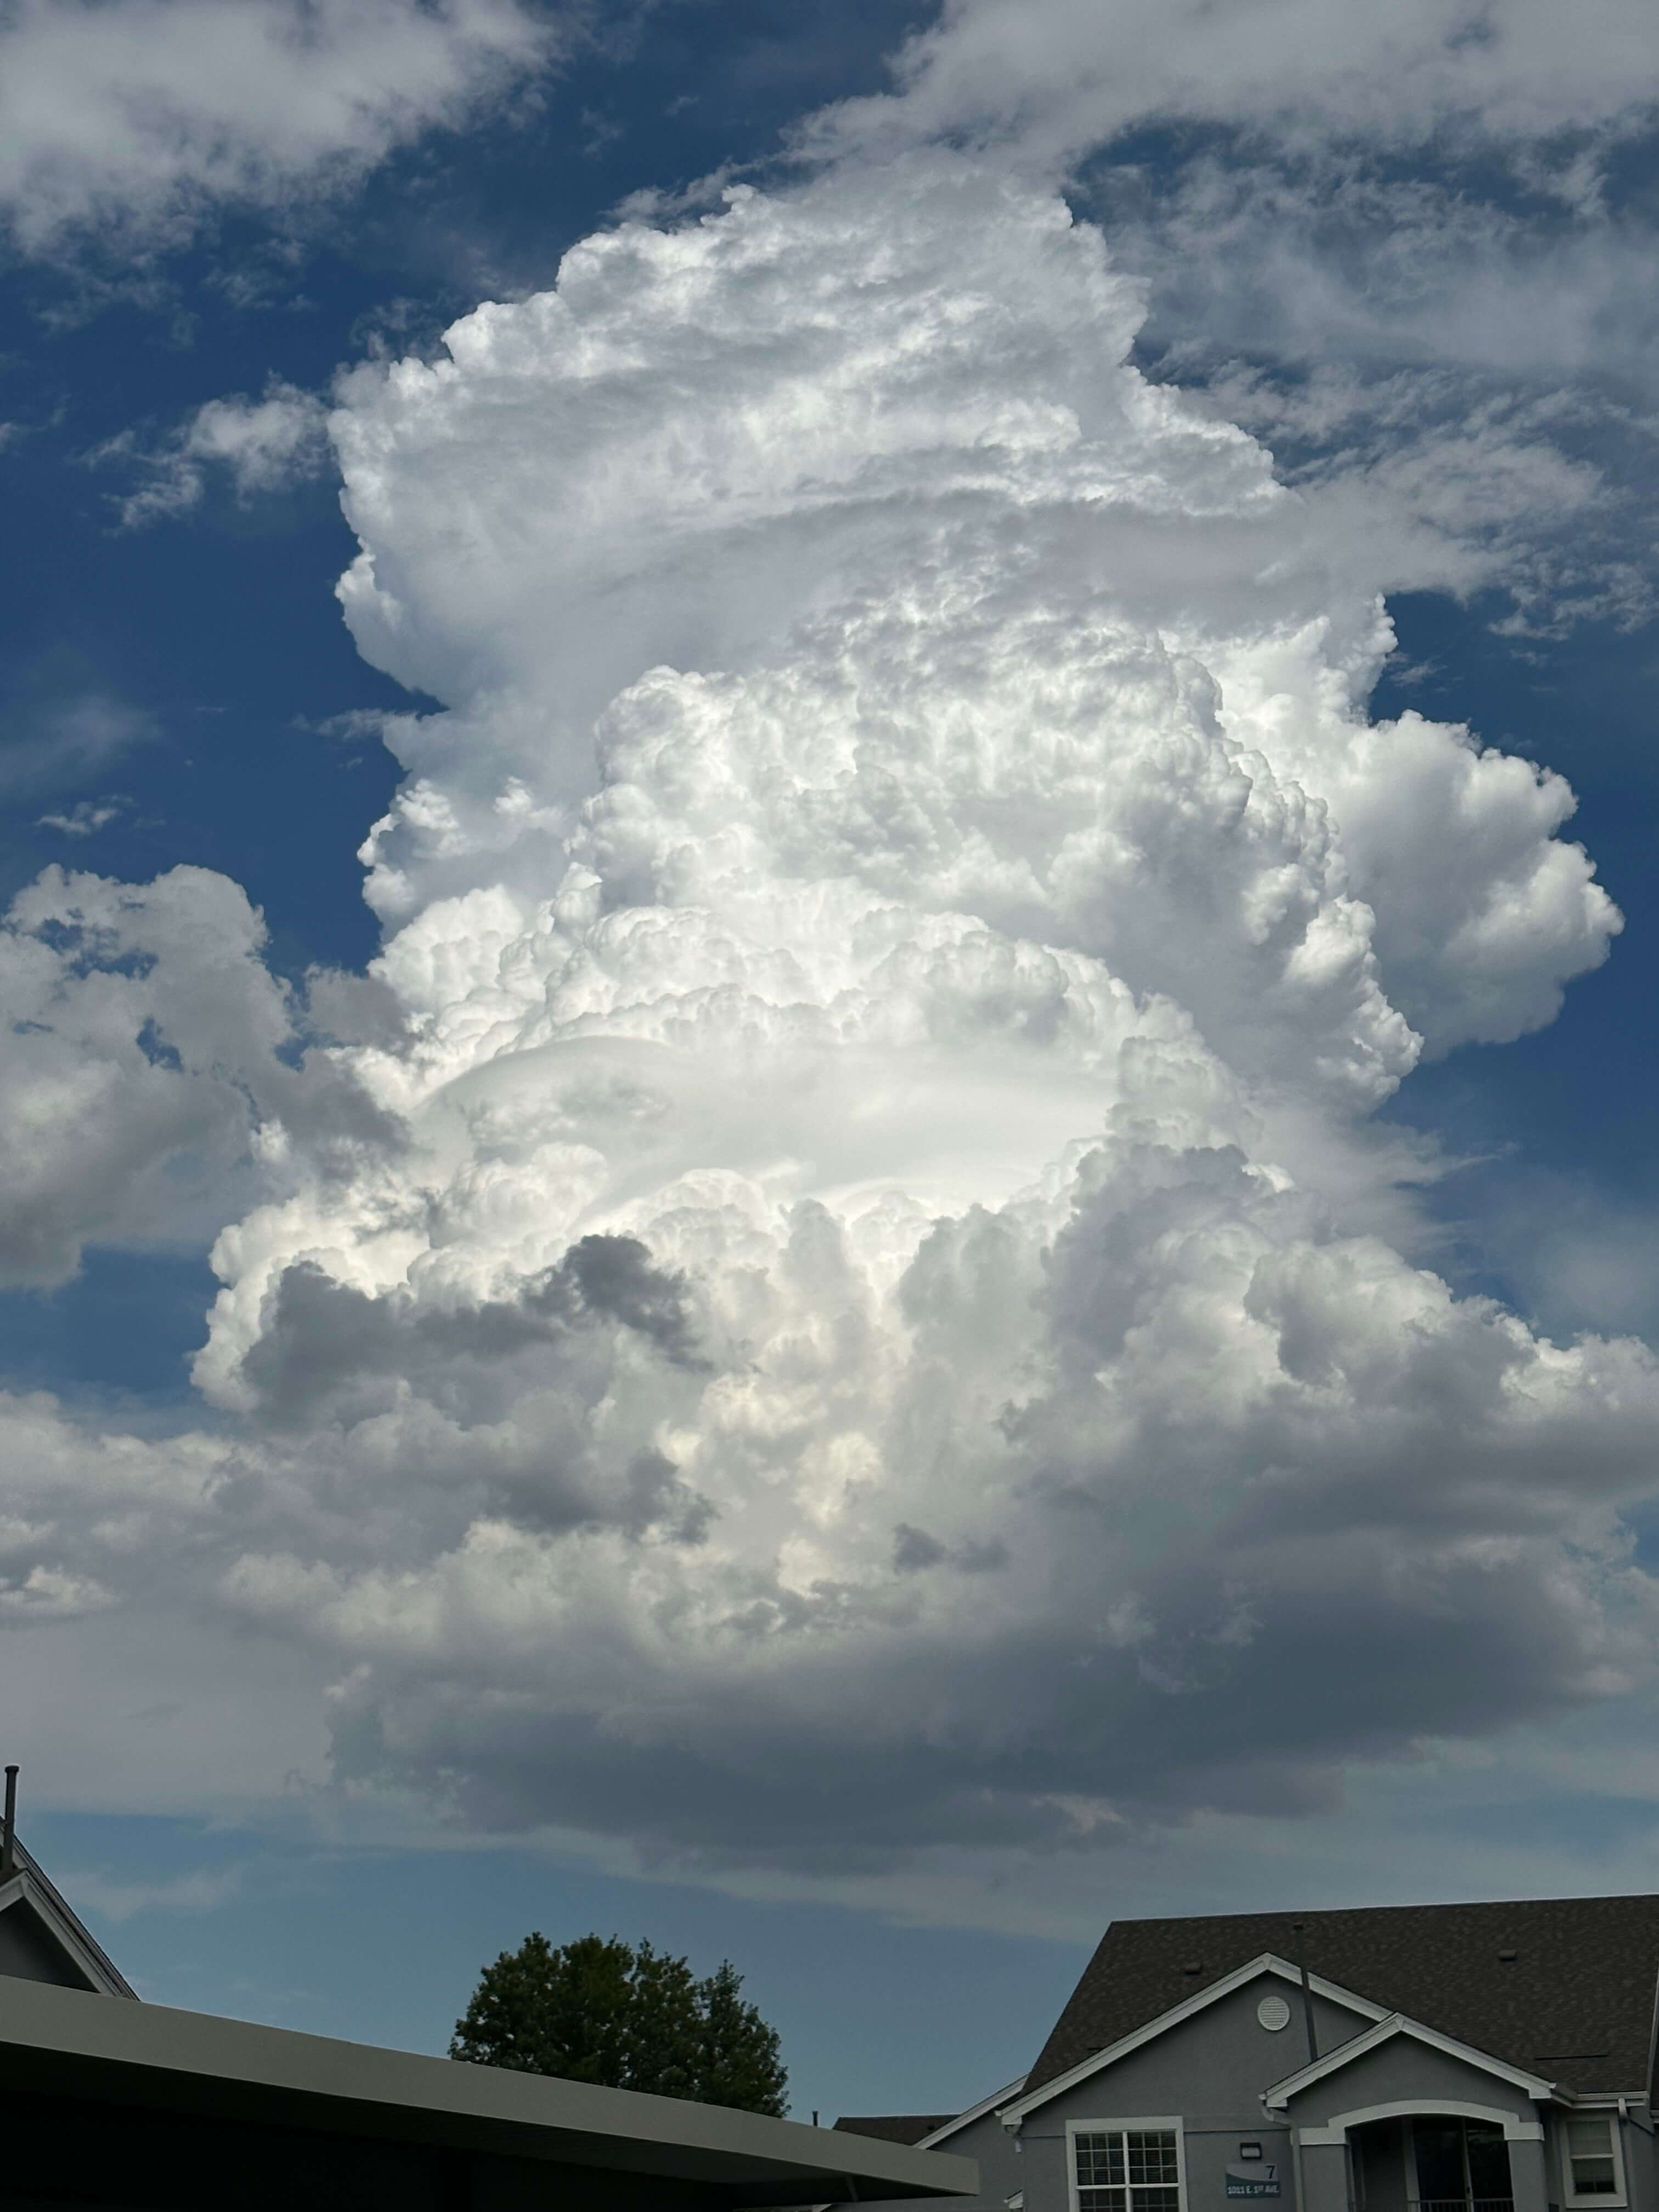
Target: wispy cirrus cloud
[202, 1889]
[253, 445]
[136, 119]
[86, 817]
[55, 745]
[1055, 78]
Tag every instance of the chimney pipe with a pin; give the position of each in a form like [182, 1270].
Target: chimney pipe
[8, 1831]
[1297, 1929]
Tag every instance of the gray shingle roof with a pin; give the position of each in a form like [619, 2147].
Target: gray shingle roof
[1575, 2003]
[893, 2127]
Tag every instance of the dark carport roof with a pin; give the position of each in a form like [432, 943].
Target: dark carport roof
[106, 2066]
[893, 2127]
[1564, 1987]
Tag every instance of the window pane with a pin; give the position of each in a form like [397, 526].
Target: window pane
[1157, 2200]
[1102, 2200]
[1152, 2157]
[1594, 2177]
[1589, 2147]
[1100, 2161]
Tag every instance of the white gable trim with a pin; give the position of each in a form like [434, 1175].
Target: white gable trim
[23, 1889]
[1401, 2108]
[974, 2113]
[1269, 1963]
[1372, 2038]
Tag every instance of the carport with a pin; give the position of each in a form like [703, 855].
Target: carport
[118, 2106]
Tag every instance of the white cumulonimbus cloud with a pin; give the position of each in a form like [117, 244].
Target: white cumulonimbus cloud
[136, 1016]
[1401, 243]
[863, 1305]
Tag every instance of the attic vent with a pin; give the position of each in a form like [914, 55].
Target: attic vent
[1195, 1967]
[1507, 1957]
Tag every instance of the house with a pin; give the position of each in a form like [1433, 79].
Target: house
[41, 1940]
[110, 2105]
[1409, 2058]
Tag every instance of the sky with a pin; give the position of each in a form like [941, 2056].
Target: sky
[829, 947]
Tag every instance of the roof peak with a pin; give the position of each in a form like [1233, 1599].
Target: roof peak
[60, 1947]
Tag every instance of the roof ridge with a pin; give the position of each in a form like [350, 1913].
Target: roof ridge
[1291, 1913]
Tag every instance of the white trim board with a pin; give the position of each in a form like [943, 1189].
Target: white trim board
[1371, 2038]
[1269, 1963]
[1335, 2129]
[974, 2113]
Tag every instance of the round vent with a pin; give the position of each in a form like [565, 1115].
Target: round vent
[1273, 2013]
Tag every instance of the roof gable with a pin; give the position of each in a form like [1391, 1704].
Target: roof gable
[1561, 1986]
[1212, 1992]
[51, 1943]
[1386, 2031]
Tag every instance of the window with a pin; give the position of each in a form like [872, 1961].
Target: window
[1134, 2166]
[1589, 2154]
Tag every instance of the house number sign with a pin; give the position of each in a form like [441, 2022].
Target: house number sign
[1250, 2174]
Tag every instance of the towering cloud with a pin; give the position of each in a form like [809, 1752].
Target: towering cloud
[878, 1312]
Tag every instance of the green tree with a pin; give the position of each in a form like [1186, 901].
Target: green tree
[628, 2017]
[739, 2062]
[661, 2039]
[545, 2011]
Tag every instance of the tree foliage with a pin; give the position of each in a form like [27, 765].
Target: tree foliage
[626, 2016]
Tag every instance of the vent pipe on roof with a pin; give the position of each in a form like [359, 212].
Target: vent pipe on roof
[1307, 1991]
[8, 1831]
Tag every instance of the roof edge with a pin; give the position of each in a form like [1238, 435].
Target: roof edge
[990, 2104]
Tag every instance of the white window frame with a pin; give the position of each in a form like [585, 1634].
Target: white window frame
[1163, 2123]
[1564, 2150]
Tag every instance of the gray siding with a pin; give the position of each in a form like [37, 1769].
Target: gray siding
[1641, 2167]
[27, 1951]
[1001, 2164]
[1211, 2070]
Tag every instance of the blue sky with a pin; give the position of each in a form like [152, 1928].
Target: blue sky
[964, 1240]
